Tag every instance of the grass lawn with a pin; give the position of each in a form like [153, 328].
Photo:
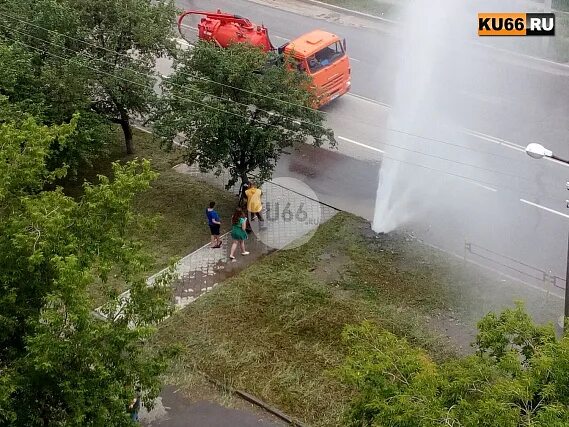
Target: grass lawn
[178, 199]
[274, 330]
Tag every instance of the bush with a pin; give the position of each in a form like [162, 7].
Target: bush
[519, 376]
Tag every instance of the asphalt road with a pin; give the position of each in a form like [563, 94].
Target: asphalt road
[470, 180]
[375, 66]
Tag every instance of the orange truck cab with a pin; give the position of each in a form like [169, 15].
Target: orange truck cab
[322, 55]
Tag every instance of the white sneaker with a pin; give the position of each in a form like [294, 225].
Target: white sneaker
[245, 253]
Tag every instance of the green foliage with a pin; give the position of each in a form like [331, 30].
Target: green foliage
[23, 154]
[126, 38]
[51, 90]
[90, 57]
[231, 110]
[519, 376]
[60, 364]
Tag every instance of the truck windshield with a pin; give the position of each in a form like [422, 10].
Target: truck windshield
[325, 57]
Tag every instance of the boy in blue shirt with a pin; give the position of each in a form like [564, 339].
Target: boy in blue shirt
[214, 223]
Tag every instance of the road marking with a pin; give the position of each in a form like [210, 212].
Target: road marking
[521, 55]
[351, 141]
[354, 59]
[527, 202]
[495, 140]
[372, 101]
[505, 143]
[280, 37]
[482, 186]
[189, 26]
[369, 147]
[471, 181]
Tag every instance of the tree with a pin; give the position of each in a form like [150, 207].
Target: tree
[106, 52]
[52, 90]
[126, 38]
[60, 364]
[232, 110]
[519, 376]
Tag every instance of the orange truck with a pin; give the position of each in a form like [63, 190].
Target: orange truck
[320, 54]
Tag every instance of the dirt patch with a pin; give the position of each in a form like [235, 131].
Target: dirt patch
[191, 389]
[330, 267]
[454, 332]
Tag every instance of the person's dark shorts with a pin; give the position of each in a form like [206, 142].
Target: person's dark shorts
[214, 229]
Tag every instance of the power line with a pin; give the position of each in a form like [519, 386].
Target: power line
[140, 84]
[275, 99]
[456, 161]
[127, 56]
[228, 112]
[246, 106]
[270, 124]
[440, 141]
[157, 76]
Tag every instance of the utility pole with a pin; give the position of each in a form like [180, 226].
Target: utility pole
[538, 151]
[566, 314]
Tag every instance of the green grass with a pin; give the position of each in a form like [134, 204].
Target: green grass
[274, 330]
[179, 201]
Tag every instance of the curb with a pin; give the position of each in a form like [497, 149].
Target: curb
[350, 11]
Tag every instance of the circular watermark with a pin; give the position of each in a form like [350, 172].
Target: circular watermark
[290, 216]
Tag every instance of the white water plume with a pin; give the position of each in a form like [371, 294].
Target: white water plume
[446, 83]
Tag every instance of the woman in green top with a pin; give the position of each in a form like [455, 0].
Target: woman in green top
[238, 233]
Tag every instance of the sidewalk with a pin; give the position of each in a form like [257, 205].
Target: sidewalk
[202, 270]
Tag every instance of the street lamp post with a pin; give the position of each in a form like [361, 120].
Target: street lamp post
[538, 151]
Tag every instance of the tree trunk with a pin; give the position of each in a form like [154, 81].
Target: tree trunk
[127, 130]
[244, 180]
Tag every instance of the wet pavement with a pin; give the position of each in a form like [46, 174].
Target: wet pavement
[173, 409]
[202, 270]
[505, 201]
[291, 217]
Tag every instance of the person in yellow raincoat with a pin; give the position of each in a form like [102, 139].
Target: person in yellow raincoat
[254, 204]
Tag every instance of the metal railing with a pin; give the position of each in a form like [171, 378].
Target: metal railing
[524, 270]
